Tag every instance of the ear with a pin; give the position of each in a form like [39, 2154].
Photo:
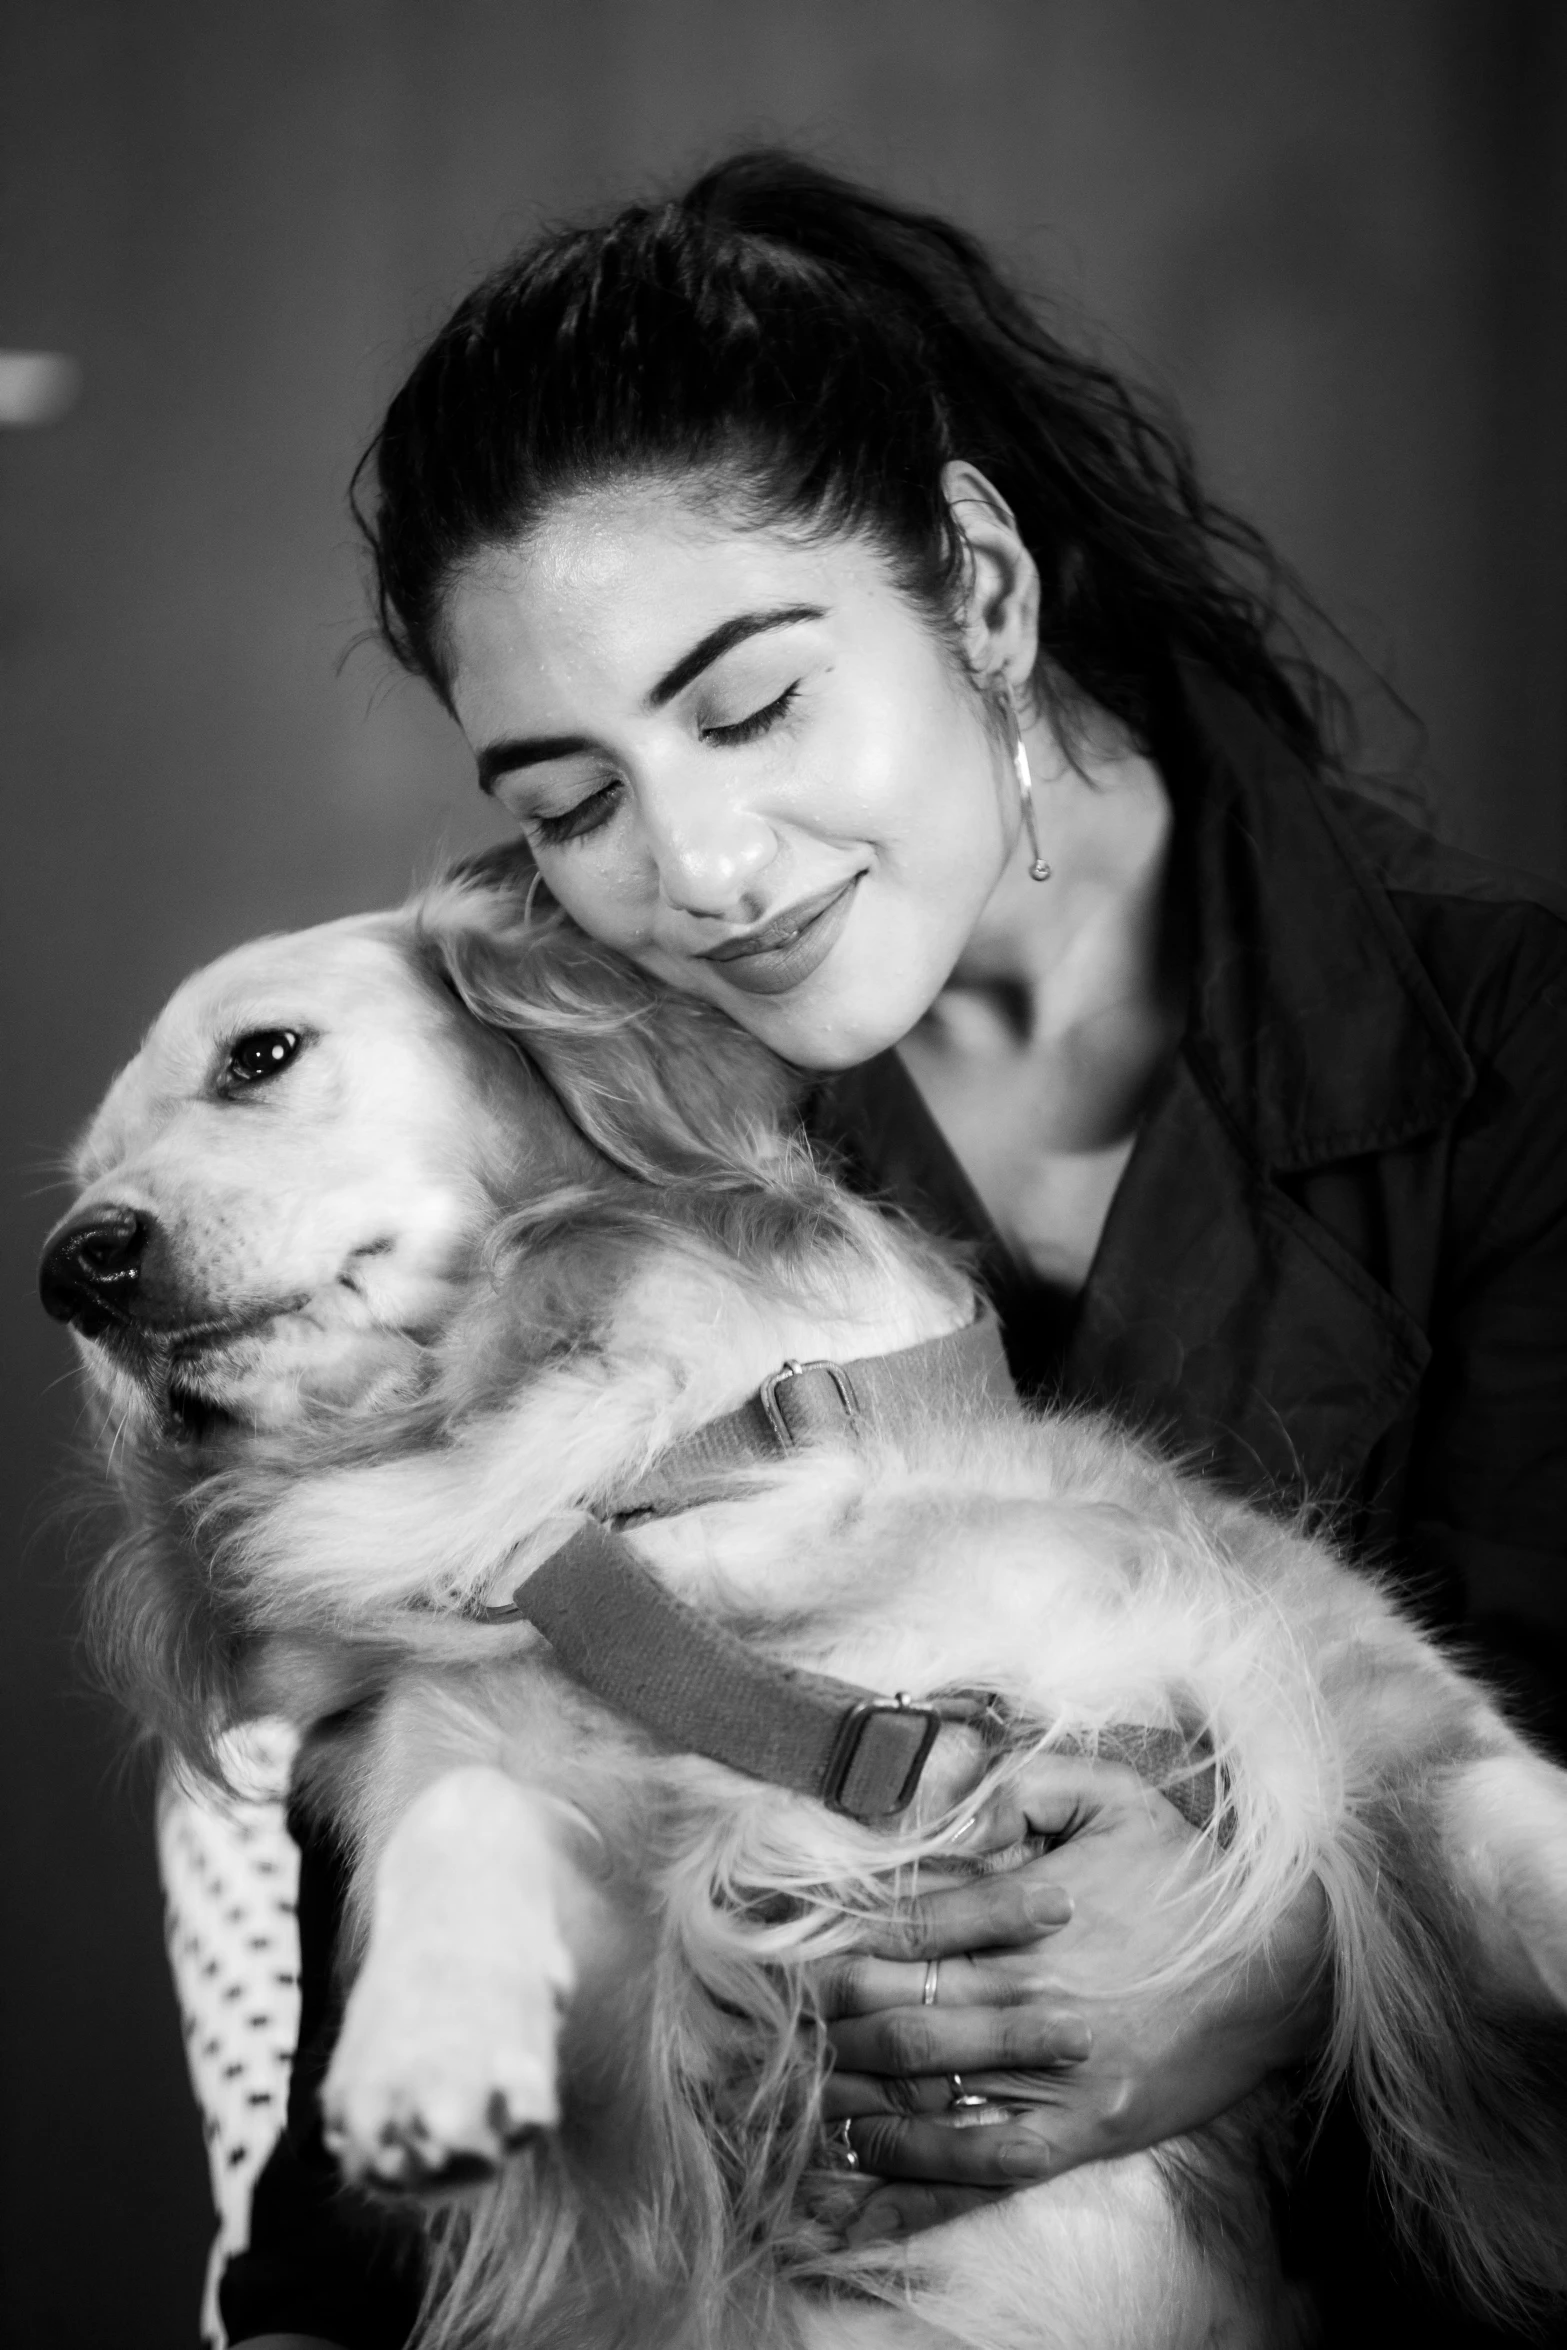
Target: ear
[1000, 610]
[676, 1093]
[664, 1087]
[1504, 1835]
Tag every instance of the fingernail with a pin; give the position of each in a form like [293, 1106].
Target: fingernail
[878, 2223]
[1050, 1905]
[1023, 2158]
[1072, 2043]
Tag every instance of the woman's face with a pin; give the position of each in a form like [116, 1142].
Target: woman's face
[741, 759]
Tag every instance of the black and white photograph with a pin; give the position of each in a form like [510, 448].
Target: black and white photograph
[785, 928]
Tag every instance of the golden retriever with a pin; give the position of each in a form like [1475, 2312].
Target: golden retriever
[405, 1242]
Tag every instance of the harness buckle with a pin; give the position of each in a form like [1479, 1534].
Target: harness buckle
[878, 1739]
[772, 1410]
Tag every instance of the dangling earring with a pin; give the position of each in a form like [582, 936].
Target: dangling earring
[1038, 869]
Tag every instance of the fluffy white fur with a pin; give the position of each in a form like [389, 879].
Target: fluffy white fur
[506, 1227]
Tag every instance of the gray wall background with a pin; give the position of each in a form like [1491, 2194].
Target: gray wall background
[1335, 230]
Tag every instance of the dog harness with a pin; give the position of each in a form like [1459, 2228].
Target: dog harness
[692, 1681]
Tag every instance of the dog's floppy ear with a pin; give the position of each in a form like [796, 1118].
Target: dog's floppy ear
[666, 1087]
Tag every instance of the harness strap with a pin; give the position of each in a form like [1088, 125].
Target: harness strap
[804, 1402]
[617, 1629]
[615, 1626]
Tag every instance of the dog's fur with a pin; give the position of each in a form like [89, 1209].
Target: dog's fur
[507, 1226]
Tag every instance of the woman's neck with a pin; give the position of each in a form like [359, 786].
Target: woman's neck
[1039, 1056]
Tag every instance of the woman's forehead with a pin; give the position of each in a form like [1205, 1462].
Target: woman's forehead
[623, 579]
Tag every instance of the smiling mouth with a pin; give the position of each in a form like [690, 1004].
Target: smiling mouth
[787, 949]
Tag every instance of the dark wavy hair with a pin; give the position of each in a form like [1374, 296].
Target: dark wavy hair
[812, 355]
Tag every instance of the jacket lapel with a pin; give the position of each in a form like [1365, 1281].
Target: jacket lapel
[1310, 1013]
[1225, 1320]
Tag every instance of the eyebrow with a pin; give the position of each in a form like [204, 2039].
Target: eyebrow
[514, 751]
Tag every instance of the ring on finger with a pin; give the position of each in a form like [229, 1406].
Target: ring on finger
[839, 2147]
[932, 1971]
[963, 2097]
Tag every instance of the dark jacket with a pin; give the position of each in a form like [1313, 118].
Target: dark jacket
[1334, 1269]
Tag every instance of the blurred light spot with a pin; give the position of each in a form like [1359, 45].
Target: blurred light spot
[37, 387]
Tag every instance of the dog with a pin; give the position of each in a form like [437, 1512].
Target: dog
[407, 1246]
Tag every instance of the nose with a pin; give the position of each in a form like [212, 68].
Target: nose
[709, 853]
[91, 1268]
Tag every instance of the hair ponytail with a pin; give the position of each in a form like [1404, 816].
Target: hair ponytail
[814, 355]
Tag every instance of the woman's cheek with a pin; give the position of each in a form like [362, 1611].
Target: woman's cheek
[606, 895]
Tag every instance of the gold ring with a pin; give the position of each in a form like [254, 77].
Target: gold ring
[932, 1970]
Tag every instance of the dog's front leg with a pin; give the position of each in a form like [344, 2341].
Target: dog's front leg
[447, 2054]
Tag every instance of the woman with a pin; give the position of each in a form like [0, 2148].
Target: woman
[853, 655]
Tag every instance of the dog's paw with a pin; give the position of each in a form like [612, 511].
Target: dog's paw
[440, 2072]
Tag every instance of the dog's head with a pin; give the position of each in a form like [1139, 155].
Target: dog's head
[282, 1196]
[285, 1196]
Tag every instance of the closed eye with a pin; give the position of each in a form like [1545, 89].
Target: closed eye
[760, 722]
[593, 813]
[576, 823]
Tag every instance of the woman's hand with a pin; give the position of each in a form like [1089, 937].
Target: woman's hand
[1038, 2004]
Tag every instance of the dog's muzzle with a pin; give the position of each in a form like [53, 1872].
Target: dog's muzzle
[91, 1272]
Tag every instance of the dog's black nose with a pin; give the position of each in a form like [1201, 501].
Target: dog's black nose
[91, 1268]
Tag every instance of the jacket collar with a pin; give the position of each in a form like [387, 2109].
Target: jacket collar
[1311, 1018]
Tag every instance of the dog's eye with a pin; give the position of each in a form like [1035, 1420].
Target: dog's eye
[264, 1053]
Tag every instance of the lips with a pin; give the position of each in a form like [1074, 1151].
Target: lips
[787, 949]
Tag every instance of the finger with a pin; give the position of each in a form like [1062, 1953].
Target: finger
[1052, 1792]
[848, 2096]
[1015, 2153]
[856, 1985]
[908, 2041]
[929, 2096]
[859, 1984]
[845, 2096]
[990, 1913]
[902, 2210]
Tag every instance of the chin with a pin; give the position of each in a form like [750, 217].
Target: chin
[830, 1035]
